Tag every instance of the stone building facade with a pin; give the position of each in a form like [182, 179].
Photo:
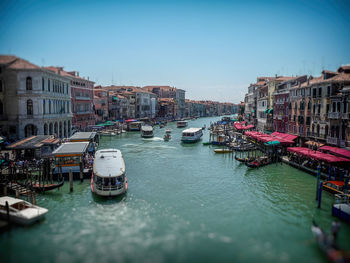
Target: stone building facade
[33, 100]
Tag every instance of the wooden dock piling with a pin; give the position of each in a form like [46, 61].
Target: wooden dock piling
[70, 180]
[81, 172]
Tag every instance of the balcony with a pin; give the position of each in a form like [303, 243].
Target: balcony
[82, 98]
[345, 116]
[333, 115]
[336, 141]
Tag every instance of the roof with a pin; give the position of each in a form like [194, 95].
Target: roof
[83, 136]
[71, 148]
[33, 142]
[10, 200]
[109, 162]
[13, 62]
[147, 128]
[191, 130]
[71, 74]
[336, 151]
[320, 156]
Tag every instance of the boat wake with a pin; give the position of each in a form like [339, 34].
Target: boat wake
[153, 139]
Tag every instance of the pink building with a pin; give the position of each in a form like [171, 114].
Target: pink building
[101, 104]
[82, 91]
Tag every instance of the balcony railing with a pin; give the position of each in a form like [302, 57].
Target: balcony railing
[345, 116]
[82, 98]
[336, 141]
[333, 115]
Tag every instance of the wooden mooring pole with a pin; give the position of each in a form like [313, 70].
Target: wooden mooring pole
[81, 172]
[70, 180]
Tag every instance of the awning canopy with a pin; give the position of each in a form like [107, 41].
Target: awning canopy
[272, 143]
[282, 138]
[241, 126]
[312, 143]
[130, 120]
[336, 151]
[320, 156]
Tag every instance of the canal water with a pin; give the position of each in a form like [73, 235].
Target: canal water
[184, 204]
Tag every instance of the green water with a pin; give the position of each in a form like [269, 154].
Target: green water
[184, 204]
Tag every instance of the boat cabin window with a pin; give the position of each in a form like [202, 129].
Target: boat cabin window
[20, 206]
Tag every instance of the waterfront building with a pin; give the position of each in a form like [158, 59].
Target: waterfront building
[82, 91]
[33, 100]
[141, 103]
[100, 104]
[286, 109]
[262, 109]
[167, 92]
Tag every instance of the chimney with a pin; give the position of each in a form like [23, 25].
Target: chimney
[308, 81]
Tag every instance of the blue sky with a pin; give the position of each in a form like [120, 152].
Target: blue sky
[212, 49]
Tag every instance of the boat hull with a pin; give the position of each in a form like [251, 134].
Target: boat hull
[108, 192]
[342, 211]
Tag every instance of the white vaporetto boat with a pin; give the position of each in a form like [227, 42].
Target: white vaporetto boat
[20, 211]
[146, 131]
[181, 124]
[108, 177]
[191, 135]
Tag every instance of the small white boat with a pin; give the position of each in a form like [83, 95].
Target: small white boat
[108, 177]
[181, 124]
[21, 212]
[191, 135]
[147, 131]
[168, 131]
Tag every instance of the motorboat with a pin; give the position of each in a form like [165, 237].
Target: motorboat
[168, 131]
[223, 151]
[341, 207]
[109, 177]
[147, 131]
[182, 124]
[191, 135]
[167, 137]
[20, 211]
[334, 187]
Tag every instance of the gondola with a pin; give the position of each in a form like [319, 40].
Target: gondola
[43, 187]
[328, 243]
[259, 162]
[243, 160]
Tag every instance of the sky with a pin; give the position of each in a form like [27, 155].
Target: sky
[211, 49]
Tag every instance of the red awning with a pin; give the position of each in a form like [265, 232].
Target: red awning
[336, 151]
[318, 155]
[131, 120]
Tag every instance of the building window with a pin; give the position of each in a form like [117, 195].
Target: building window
[49, 106]
[43, 84]
[0, 85]
[29, 107]
[328, 90]
[320, 91]
[29, 83]
[48, 84]
[44, 107]
[1, 108]
[309, 105]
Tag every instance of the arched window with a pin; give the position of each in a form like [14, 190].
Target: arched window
[29, 107]
[45, 129]
[44, 107]
[296, 106]
[29, 85]
[1, 108]
[309, 105]
[50, 107]
[43, 84]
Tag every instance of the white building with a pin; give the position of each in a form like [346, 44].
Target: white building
[33, 100]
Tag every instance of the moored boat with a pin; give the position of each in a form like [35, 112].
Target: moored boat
[334, 187]
[223, 151]
[259, 162]
[42, 187]
[108, 177]
[146, 131]
[206, 143]
[191, 135]
[182, 124]
[20, 211]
